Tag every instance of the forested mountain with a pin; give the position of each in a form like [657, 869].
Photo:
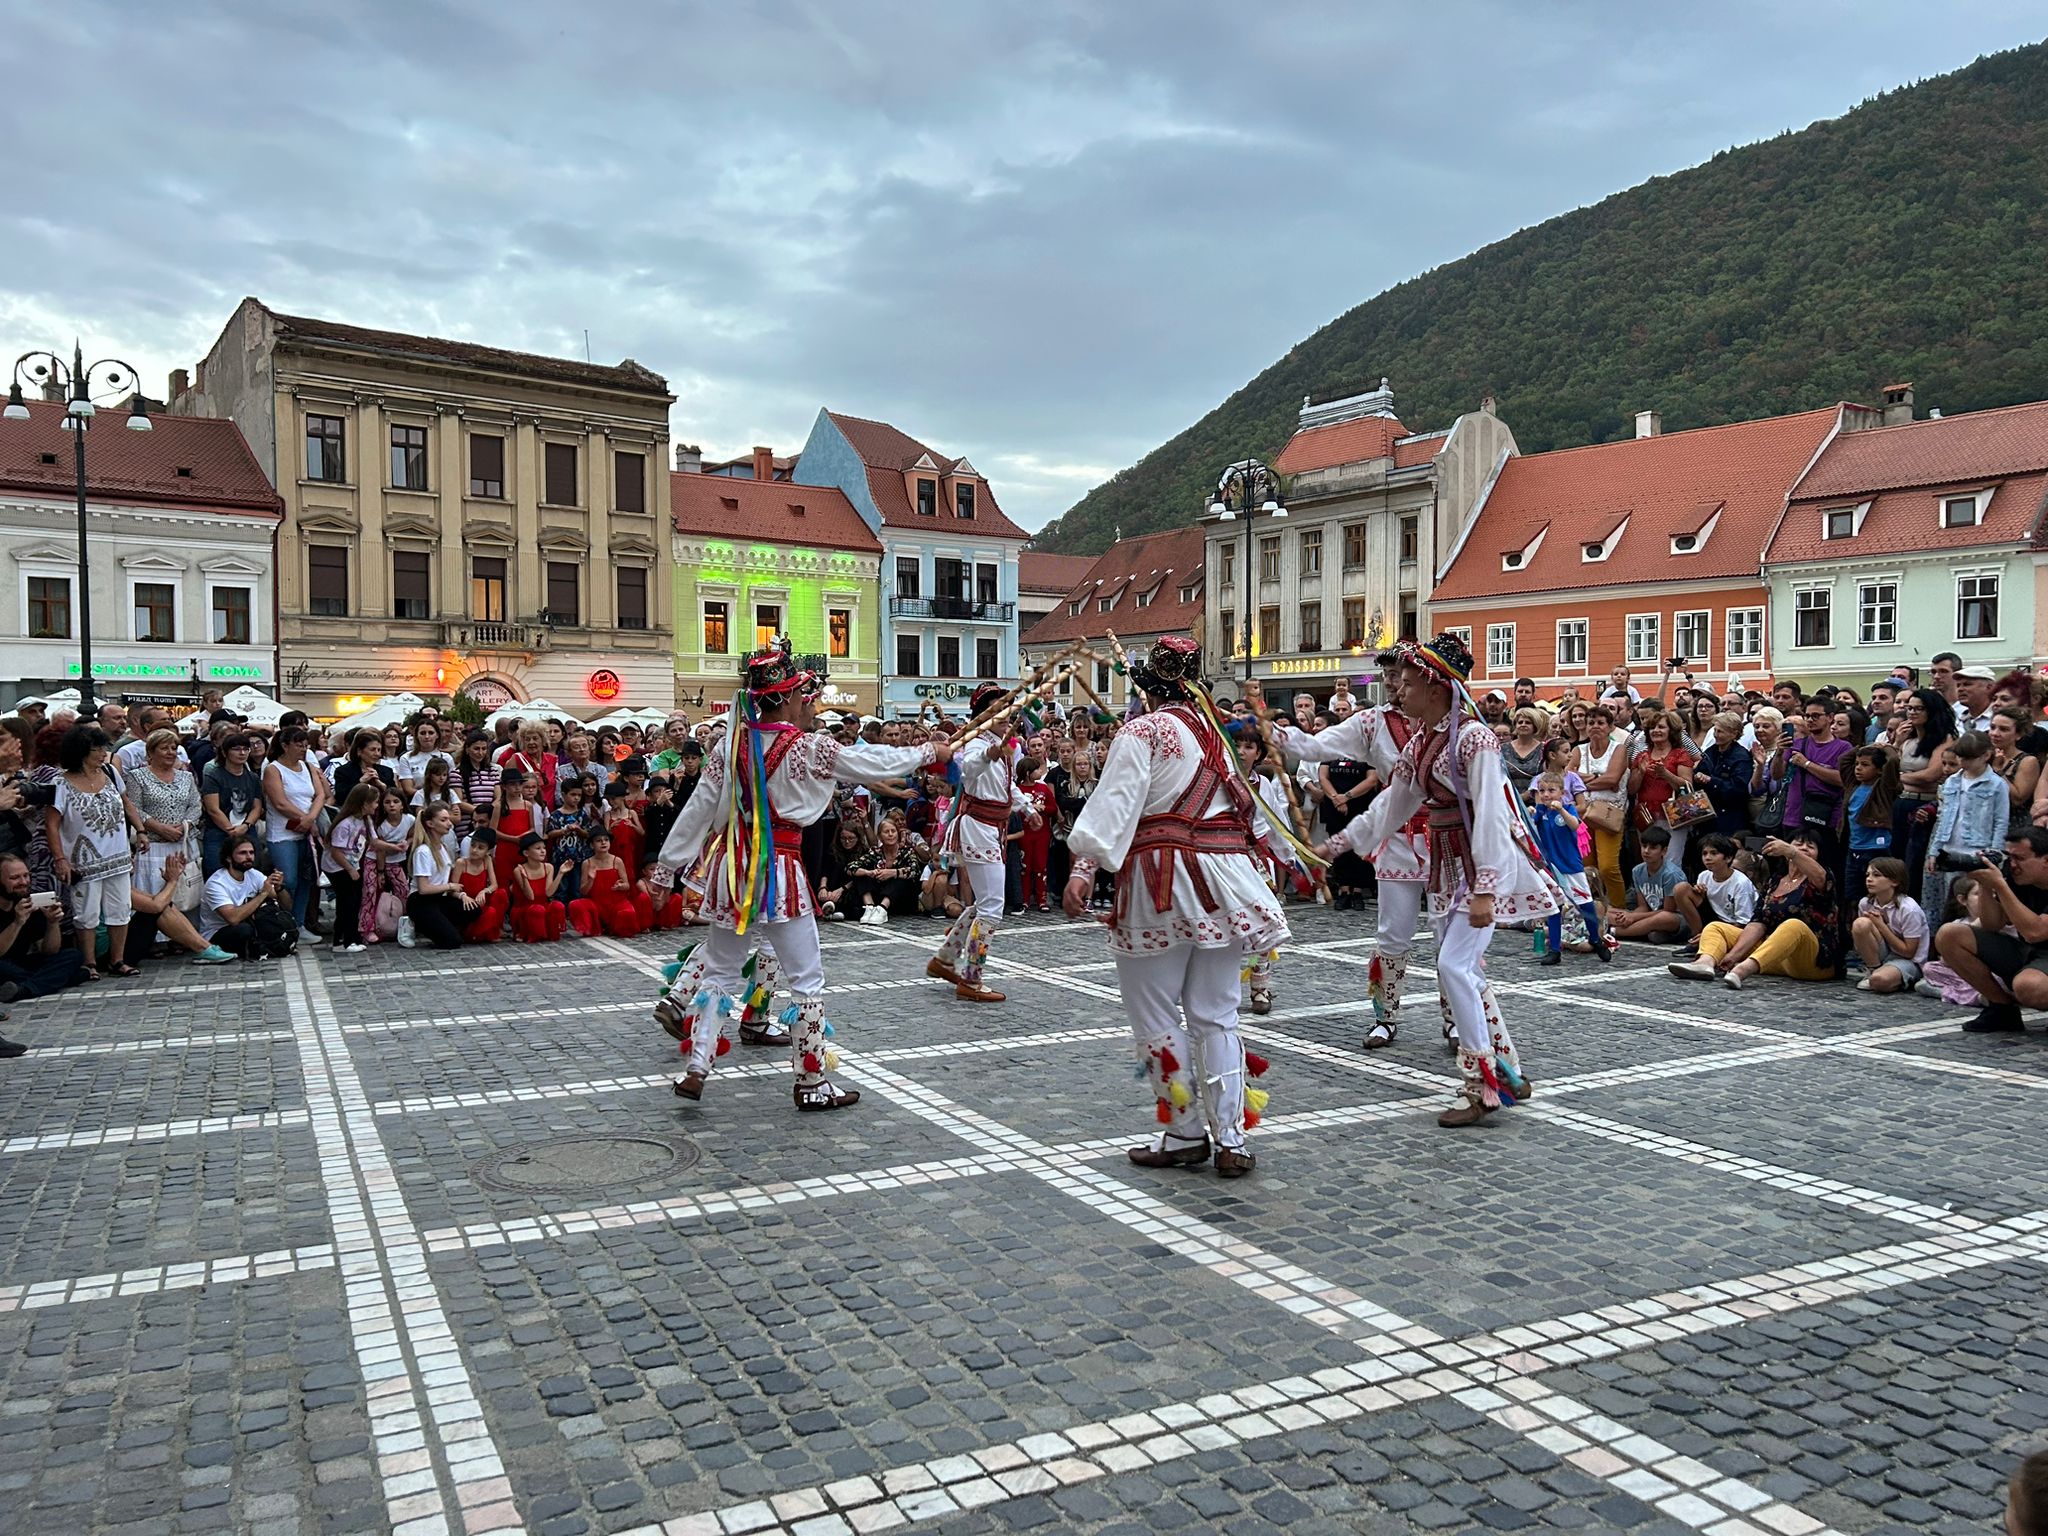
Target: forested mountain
[1905, 240]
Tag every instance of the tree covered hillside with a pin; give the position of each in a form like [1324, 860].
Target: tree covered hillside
[1905, 240]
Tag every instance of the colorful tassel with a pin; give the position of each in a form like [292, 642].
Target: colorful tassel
[830, 1032]
[684, 952]
[1376, 988]
[699, 1002]
[1256, 1100]
[1517, 1083]
[1178, 1092]
[672, 970]
[1255, 1064]
[724, 1045]
[831, 1061]
[1494, 1096]
[1165, 1113]
[1251, 1119]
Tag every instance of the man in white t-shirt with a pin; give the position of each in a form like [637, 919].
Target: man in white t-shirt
[234, 893]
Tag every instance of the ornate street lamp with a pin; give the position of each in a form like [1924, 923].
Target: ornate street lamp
[109, 378]
[1256, 490]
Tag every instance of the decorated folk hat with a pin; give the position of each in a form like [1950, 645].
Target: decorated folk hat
[1447, 657]
[1169, 667]
[986, 695]
[772, 672]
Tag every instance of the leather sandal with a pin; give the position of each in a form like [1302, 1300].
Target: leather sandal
[973, 992]
[764, 1034]
[669, 1014]
[1234, 1163]
[1381, 1035]
[1191, 1156]
[938, 970]
[811, 1097]
[690, 1086]
[1262, 1000]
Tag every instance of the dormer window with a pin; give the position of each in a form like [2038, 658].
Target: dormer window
[1189, 592]
[1594, 551]
[1685, 544]
[1104, 604]
[1964, 511]
[1144, 599]
[1695, 533]
[1518, 559]
[963, 500]
[927, 498]
[1074, 609]
[1841, 523]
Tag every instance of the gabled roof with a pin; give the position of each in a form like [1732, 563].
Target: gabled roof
[1159, 563]
[1049, 574]
[888, 453]
[219, 473]
[1659, 484]
[1344, 442]
[1904, 472]
[766, 512]
[627, 375]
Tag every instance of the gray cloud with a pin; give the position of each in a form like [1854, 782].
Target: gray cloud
[1044, 236]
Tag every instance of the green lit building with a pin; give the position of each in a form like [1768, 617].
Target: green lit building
[759, 557]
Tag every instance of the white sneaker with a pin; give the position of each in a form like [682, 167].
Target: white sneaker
[352, 949]
[308, 936]
[873, 915]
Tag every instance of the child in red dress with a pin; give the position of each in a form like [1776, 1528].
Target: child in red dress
[607, 885]
[512, 817]
[658, 906]
[1038, 839]
[476, 872]
[538, 916]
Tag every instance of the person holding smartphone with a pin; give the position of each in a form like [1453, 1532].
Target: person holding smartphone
[34, 959]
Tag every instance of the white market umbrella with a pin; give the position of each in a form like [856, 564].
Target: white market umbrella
[644, 718]
[389, 710]
[258, 707]
[532, 709]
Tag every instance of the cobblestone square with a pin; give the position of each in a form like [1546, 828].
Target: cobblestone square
[340, 1245]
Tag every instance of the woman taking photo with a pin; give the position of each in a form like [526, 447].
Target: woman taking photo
[1796, 931]
[87, 827]
[1770, 780]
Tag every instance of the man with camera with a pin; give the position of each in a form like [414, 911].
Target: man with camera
[34, 960]
[2009, 973]
[243, 912]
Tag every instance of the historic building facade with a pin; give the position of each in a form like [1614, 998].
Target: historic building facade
[457, 517]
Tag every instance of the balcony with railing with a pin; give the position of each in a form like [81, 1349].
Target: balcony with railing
[495, 635]
[972, 610]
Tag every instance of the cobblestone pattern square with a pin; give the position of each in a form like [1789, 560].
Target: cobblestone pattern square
[1766, 1262]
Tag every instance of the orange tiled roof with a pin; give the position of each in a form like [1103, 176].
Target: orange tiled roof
[1658, 484]
[1344, 442]
[193, 461]
[1038, 571]
[767, 511]
[1158, 563]
[888, 453]
[1410, 451]
[1904, 471]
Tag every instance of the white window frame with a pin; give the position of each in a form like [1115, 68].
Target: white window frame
[835, 597]
[728, 595]
[1867, 584]
[1856, 515]
[175, 580]
[1634, 654]
[1584, 635]
[1729, 653]
[766, 597]
[1706, 633]
[1941, 505]
[248, 585]
[46, 563]
[1802, 589]
[1495, 652]
[1463, 632]
[1995, 574]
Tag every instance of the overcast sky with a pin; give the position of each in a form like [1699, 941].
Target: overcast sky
[1043, 235]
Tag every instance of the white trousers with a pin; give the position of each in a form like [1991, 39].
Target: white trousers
[794, 943]
[1399, 915]
[1185, 1001]
[985, 884]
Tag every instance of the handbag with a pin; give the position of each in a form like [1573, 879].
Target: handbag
[1604, 814]
[390, 912]
[1687, 807]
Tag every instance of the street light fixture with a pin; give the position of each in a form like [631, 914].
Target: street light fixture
[109, 378]
[1257, 490]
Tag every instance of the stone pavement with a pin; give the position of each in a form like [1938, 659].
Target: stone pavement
[423, 1242]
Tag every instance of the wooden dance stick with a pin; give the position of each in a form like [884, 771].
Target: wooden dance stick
[1043, 676]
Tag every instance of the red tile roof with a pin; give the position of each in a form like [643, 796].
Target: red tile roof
[1345, 442]
[1904, 471]
[1411, 451]
[124, 466]
[767, 511]
[628, 375]
[888, 453]
[1159, 563]
[1658, 484]
[1041, 572]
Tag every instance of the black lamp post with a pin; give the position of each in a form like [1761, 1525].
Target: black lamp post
[108, 378]
[1257, 489]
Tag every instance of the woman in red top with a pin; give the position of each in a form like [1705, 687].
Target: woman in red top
[478, 877]
[608, 885]
[530, 755]
[1662, 766]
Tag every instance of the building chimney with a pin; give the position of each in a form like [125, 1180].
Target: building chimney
[180, 382]
[1649, 423]
[1898, 404]
[764, 463]
[689, 459]
[1487, 406]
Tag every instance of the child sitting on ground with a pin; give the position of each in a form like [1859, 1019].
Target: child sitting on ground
[1890, 931]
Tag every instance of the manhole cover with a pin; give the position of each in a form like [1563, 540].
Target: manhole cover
[567, 1163]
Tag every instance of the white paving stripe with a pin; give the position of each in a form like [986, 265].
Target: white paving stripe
[428, 1432]
[166, 1277]
[158, 1130]
[163, 1043]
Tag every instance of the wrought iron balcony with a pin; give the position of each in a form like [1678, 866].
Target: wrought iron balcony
[496, 635]
[971, 609]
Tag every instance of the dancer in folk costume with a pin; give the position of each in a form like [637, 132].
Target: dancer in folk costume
[679, 1010]
[746, 822]
[1376, 735]
[1171, 817]
[1483, 864]
[974, 843]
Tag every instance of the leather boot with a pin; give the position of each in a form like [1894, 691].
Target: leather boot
[1234, 1164]
[690, 1086]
